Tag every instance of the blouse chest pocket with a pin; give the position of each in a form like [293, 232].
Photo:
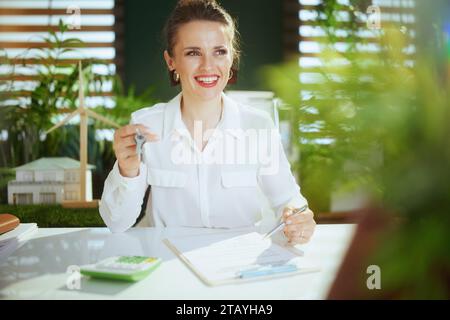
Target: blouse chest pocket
[239, 179]
[166, 178]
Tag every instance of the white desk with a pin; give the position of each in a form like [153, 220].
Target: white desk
[37, 270]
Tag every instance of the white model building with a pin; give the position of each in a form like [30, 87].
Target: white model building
[48, 180]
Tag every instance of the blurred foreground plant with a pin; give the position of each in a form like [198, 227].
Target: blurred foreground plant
[386, 120]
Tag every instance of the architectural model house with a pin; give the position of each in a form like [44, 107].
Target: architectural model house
[48, 180]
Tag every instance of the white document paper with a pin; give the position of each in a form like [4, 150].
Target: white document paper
[218, 258]
[14, 239]
[21, 232]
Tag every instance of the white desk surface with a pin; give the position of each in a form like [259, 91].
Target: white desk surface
[37, 270]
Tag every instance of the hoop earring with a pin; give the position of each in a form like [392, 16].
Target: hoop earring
[233, 76]
[176, 77]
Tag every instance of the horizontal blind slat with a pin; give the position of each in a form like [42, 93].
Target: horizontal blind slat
[26, 93]
[46, 28]
[59, 62]
[10, 45]
[26, 77]
[49, 12]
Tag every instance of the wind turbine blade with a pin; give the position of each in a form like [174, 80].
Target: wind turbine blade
[81, 86]
[102, 118]
[63, 121]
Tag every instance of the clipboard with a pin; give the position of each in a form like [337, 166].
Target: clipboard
[231, 279]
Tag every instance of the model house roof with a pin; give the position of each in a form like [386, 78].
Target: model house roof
[54, 163]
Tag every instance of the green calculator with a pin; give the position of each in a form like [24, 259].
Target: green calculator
[126, 268]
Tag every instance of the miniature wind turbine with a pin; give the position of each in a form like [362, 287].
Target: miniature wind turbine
[84, 113]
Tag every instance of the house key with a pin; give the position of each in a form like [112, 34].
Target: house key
[140, 140]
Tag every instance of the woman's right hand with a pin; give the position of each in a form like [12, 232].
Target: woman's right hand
[125, 148]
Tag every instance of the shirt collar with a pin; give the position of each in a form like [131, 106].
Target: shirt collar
[173, 124]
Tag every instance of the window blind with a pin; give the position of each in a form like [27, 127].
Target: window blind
[309, 24]
[23, 24]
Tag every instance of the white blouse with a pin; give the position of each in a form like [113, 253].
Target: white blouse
[242, 170]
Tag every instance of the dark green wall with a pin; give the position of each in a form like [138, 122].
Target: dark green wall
[259, 23]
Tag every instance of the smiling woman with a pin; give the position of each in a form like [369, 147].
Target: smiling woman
[194, 11]
[202, 123]
[201, 58]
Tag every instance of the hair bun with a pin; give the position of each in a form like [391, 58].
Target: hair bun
[182, 3]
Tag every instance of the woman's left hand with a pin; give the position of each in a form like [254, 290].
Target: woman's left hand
[299, 227]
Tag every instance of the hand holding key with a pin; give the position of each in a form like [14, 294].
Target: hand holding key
[125, 148]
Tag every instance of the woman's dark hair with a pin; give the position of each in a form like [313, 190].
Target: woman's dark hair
[207, 10]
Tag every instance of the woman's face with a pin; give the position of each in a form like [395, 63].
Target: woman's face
[202, 56]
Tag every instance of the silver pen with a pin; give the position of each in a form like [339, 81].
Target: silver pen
[282, 224]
